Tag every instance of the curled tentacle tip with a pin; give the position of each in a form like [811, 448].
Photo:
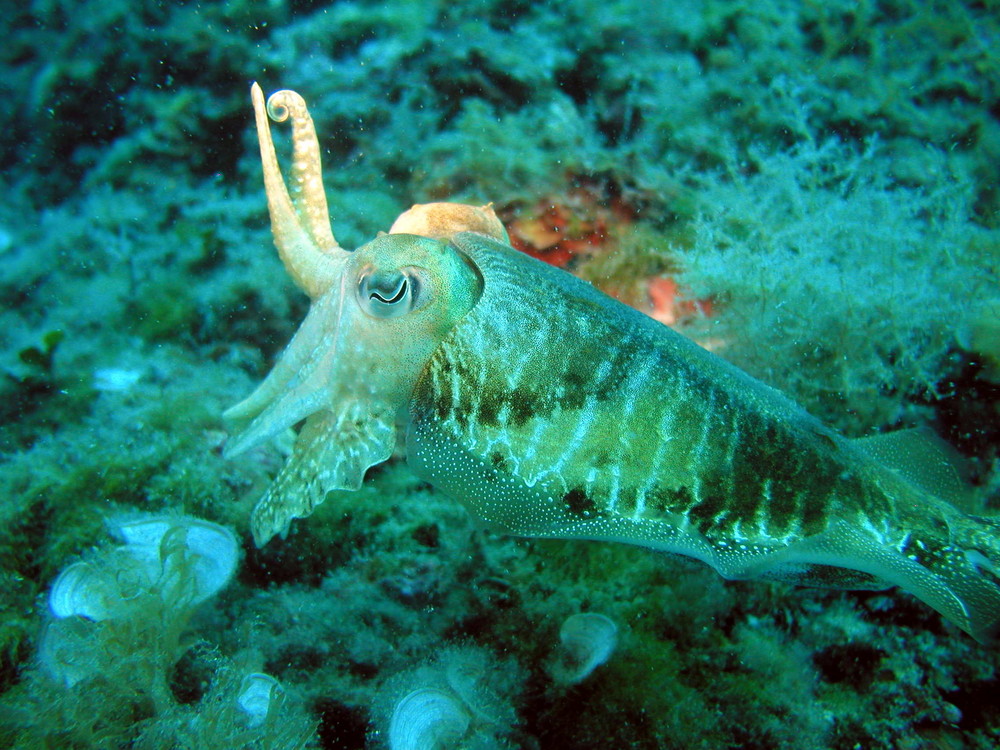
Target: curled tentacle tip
[283, 103]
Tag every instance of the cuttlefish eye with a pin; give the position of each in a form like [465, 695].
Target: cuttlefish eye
[390, 293]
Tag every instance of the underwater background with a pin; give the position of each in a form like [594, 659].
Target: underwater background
[811, 190]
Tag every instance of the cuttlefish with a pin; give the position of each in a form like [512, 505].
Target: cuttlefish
[551, 410]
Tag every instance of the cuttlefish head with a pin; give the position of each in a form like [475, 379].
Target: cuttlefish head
[376, 314]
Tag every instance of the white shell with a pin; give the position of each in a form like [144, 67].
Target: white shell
[255, 696]
[62, 651]
[115, 379]
[217, 553]
[104, 586]
[427, 719]
[81, 590]
[588, 640]
[214, 548]
[143, 534]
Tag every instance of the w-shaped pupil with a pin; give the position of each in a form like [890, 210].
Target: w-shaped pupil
[396, 297]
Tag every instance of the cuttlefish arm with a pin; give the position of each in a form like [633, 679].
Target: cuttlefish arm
[307, 382]
[300, 219]
[304, 239]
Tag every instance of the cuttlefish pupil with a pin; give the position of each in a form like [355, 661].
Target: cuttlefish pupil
[388, 293]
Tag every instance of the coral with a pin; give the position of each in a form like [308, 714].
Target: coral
[558, 230]
[241, 710]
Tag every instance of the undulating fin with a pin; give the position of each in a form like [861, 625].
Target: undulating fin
[971, 567]
[941, 574]
[959, 554]
[923, 459]
[331, 453]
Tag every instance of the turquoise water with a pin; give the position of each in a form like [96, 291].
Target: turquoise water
[810, 191]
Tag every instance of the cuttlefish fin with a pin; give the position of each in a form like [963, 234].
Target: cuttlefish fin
[923, 459]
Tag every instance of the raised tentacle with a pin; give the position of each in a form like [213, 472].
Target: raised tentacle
[306, 179]
[299, 222]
